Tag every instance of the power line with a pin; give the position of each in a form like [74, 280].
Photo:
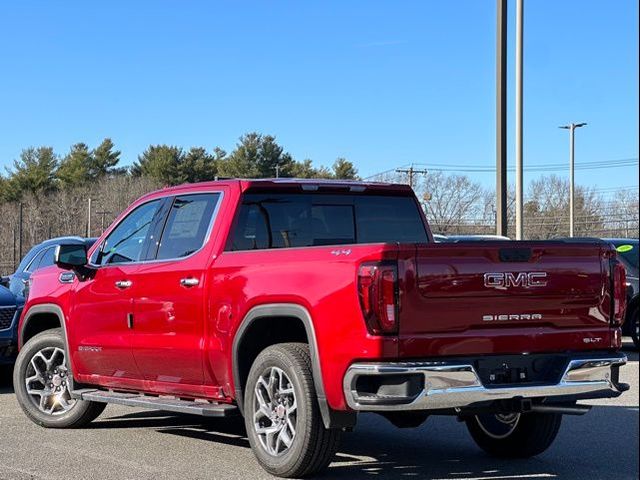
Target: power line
[449, 167]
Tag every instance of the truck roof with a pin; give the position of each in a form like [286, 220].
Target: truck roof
[303, 184]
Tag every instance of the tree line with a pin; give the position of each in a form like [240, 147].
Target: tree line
[53, 192]
[50, 193]
[40, 171]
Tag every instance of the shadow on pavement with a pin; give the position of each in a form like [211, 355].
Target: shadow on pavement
[630, 350]
[440, 448]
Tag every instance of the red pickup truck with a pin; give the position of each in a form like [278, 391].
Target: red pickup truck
[300, 303]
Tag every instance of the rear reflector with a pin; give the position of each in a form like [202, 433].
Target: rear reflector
[378, 292]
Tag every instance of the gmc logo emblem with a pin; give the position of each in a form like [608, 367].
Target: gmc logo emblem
[512, 279]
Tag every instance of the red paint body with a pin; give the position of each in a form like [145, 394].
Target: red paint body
[182, 339]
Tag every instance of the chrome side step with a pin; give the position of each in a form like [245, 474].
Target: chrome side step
[170, 404]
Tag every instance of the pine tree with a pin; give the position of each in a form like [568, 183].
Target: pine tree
[344, 169]
[75, 168]
[160, 162]
[199, 166]
[33, 172]
[257, 156]
[105, 159]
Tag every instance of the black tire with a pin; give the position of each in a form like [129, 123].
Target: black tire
[634, 322]
[79, 414]
[313, 446]
[532, 434]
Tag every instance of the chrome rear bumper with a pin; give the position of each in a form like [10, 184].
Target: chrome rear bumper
[446, 385]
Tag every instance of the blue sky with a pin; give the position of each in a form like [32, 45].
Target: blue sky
[381, 83]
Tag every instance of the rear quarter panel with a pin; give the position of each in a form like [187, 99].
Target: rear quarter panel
[320, 279]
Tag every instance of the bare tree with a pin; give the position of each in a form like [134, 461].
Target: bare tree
[453, 203]
[546, 212]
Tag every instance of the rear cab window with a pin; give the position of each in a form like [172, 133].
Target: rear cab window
[288, 220]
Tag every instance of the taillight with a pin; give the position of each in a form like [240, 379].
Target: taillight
[619, 275]
[378, 292]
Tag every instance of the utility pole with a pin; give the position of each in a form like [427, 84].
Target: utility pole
[411, 172]
[102, 213]
[15, 265]
[572, 128]
[519, 175]
[501, 118]
[20, 233]
[89, 218]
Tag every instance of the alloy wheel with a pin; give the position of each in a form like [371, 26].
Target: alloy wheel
[498, 426]
[275, 411]
[47, 381]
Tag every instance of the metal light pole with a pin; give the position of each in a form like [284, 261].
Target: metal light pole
[572, 128]
[501, 118]
[519, 176]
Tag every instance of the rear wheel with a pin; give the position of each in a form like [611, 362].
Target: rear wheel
[282, 416]
[41, 383]
[515, 435]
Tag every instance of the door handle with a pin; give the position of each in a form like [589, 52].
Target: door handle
[189, 282]
[123, 284]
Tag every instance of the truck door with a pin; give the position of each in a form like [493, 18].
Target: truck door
[170, 304]
[103, 304]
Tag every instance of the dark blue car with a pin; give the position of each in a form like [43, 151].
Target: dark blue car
[12, 291]
[10, 309]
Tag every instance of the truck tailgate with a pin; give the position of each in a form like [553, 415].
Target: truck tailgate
[503, 297]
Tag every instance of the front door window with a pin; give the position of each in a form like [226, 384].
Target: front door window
[126, 242]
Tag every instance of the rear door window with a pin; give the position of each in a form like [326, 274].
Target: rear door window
[187, 225]
[302, 220]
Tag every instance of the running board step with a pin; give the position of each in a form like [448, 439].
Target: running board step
[203, 408]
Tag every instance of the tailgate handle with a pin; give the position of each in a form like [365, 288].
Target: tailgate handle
[515, 254]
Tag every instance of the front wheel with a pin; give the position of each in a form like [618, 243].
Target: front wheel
[515, 435]
[282, 416]
[41, 383]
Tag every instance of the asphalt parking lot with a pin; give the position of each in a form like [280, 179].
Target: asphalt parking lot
[127, 443]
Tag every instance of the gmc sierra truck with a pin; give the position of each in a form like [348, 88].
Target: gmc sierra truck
[299, 304]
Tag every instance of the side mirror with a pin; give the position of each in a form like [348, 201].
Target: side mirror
[70, 257]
